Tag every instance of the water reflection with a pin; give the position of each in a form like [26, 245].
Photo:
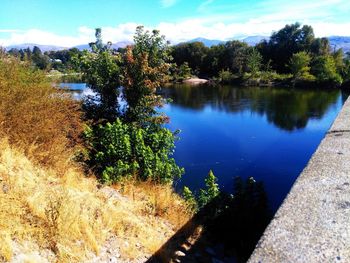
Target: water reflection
[288, 109]
[267, 133]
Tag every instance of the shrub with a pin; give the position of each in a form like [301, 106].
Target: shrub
[212, 190]
[226, 76]
[189, 198]
[36, 116]
[120, 150]
[324, 69]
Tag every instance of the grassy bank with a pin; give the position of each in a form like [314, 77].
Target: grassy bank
[49, 209]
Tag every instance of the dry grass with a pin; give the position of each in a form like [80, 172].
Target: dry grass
[48, 208]
[157, 200]
[70, 216]
[35, 116]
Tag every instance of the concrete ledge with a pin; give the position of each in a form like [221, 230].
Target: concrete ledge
[313, 223]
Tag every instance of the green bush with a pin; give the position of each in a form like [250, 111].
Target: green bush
[190, 199]
[212, 190]
[226, 76]
[324, 69]
[120, 150]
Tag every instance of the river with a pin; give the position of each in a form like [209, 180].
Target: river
[265, 133]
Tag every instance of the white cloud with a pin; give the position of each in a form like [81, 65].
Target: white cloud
[175, 32]
[85, 35]
[167, 3]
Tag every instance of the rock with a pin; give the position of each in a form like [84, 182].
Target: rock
[180, 253]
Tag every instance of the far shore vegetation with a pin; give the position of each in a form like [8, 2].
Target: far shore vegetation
[292, 56]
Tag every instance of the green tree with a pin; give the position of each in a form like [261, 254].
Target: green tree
[193, 53]
[40, 60]
[321, 46]
[136, 144]
[346, 69]
[210, 192]
[299, 66]
[254, 60]
[146, 66]
[102, 72]
[284, 43]
[189, 198]
[325, 70]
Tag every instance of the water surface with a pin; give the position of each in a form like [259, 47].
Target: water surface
[265, 133]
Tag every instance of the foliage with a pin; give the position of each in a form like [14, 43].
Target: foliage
[182, 72]
[346, 69]
[120, 150]
[284, 43]
[40, 60]
[299, 66]
[192, 53]
[226, 77]
[324, 69]
[36, 116]
[101, 71]
[65, 60]
[145, 69]
[190, 199]
[254, 60]
[211, 191]
[34, 57]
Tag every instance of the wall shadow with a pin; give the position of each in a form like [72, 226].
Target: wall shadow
[225, 230]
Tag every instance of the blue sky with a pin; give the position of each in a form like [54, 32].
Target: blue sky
[72, 22]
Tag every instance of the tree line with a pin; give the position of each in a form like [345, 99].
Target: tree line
[293, 54]
[60, 60]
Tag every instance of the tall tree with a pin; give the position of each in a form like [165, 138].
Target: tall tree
[284, 43]
[254, 60]
[325, 70]
[101, 71]
[146, 68]
[299, 65]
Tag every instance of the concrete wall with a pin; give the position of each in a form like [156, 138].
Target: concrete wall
[313, 223]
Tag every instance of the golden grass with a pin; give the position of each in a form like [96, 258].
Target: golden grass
[35, 116]
[157, 200]
[70, 216]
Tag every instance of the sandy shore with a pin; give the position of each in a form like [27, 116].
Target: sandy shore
[195, 81]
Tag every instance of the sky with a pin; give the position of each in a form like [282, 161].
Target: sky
[68, 23]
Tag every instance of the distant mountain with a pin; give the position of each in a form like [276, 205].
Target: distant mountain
[253, 40]
[206, 42]
[43, 48]
[120, 44]
[338, 42]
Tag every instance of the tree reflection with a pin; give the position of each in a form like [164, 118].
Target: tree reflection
[288, 109]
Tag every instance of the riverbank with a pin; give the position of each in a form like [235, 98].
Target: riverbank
[195, 81]
[312, 225]
[46, 216]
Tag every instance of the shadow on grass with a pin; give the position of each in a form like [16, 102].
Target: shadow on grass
[225, 230]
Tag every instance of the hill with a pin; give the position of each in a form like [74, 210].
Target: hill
[206, 42]
[340, 42]
[43, 48]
